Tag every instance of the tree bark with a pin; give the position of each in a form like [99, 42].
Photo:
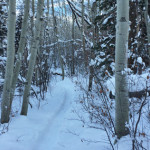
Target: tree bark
[56, 39]
[55, 31]
[33, 55]
[89, 7]
[147, 22]
[47, 8]
[5, 106]
[21, 48]
[73, 38]
[121, 83]
[32, 19]
[92, 56]
[83, 35]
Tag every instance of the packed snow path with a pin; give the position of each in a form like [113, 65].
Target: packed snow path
[54, 126]
[41, 128]
[58, 107]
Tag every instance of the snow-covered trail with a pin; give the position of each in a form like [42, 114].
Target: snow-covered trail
[46, 137]
[55, 126]
[40, 129]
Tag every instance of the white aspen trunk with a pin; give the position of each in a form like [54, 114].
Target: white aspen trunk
[89, 7]
[83, 38]
[21, 48]
[32, 19]
[39, 53]
[62, 11]
[48, 21]
[60, 19]
[73, 63]
[54, 21]
[121, 83]
[47, 8]
[5, 106]
[33, 55]
[92, 56]
[65, 13]
[56, 39]
[55, 30]
[33, 11]
[147, 22]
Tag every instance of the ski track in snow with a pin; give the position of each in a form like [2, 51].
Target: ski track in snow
[46, 136]
[41, 129]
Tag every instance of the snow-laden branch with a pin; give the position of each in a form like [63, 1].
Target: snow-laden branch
[61, 41]
[77, 12]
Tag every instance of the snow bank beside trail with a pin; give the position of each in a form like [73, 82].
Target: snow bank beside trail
[139, 82]
[136, 82]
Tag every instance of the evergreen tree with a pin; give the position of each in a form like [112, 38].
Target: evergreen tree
[104, 47]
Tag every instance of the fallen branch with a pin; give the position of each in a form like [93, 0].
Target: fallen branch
[137, 94]
[55, 73]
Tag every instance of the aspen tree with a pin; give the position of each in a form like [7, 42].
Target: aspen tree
[92, 56]
[89, 6]
[39, 54]
[48, 20]
[5, 106]
[147, 22]
[121, 83]
[56, 39]
[73, 39]
[34, 48]
[47, 8]
[32, 18]
[65, 12]
[21, 47]
[83, 38]
[59, 11]
[55, 30]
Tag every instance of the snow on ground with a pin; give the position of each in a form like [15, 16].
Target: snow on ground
[54, 126]
[136, 82]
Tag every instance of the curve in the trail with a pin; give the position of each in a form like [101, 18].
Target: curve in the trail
[48, 136]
